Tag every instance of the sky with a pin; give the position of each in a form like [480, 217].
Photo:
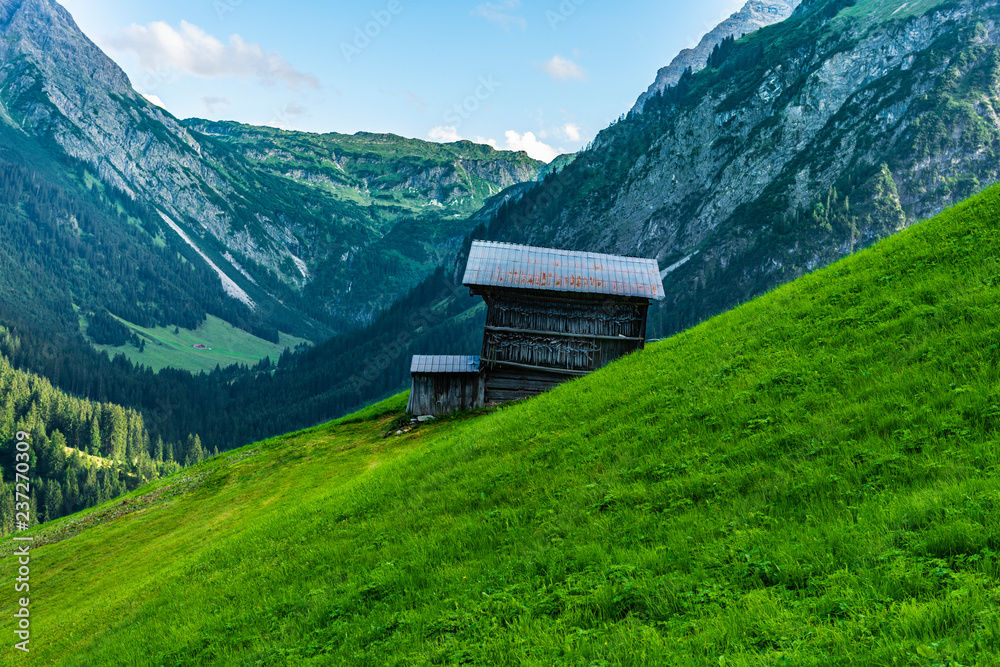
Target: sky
[543, 76]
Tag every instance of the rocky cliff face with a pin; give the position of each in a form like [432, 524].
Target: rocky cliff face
[256, 222]
[755, 15]
[58, 85]
[810, 139]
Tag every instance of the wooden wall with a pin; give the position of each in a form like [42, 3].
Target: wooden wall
[510, 384]
[443, 393]
[568, 313]
[547, 338]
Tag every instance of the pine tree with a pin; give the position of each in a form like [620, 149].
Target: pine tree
[94, 445]
[118, 436]
[71, 492]
[58, 453]
[90, 493]
[53, 502]
[195, 453]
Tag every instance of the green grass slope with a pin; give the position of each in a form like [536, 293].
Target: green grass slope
[810, 479]
[226, 345]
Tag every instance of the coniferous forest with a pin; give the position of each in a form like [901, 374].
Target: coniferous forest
[83, 452]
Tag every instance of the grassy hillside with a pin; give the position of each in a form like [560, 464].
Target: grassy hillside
[810, 479]
[224, 345]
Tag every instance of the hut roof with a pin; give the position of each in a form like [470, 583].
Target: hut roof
[445, 364]
[525, 267]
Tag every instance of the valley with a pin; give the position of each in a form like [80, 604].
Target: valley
[808, 478]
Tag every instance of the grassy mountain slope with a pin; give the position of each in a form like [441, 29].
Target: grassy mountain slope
[222, 345]
[810, 479]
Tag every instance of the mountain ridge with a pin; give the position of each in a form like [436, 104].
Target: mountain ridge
[752, 16]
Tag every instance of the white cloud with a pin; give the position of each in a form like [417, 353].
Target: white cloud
[155, 100]
[571, 131]
[526, 142]
[564, 69]
[499, 13]
[444, 134]
[214, 103]
[191, 50]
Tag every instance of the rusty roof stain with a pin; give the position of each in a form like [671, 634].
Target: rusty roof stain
[494, 264]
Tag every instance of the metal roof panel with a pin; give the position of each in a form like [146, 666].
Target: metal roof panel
[432, 364]
[525, 267]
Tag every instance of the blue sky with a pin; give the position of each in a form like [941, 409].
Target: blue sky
[542, 76]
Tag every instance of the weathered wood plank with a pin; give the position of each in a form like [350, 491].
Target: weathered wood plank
[562, 334]
[507, 396]
[444, 393]
[515, 382]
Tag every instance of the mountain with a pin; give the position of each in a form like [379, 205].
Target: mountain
[754, 15]
[321, 229]
[809, 479]
[798, 144]
[413, 198]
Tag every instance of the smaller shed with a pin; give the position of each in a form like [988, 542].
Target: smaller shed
[444, 384]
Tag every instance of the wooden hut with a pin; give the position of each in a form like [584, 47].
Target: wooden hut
[445, 384]
[555, 314]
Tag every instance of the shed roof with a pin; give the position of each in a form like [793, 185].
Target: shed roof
[445, 364]
[526, 267]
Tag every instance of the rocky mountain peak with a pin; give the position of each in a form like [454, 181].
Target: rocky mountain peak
[45, 33]
[755, 15]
